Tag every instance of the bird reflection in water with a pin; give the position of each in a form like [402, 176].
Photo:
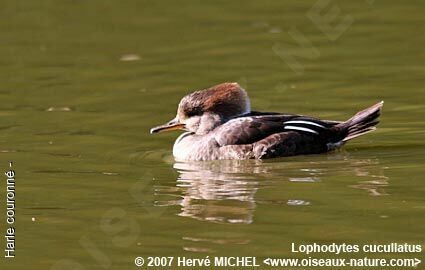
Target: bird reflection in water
[219, 191]
[225, 191]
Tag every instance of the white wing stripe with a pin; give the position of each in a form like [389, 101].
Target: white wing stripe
[301, 129]
[304, 122]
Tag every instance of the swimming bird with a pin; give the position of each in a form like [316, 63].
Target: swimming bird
[220, 124]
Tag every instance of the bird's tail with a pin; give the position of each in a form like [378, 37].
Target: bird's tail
[363, 122]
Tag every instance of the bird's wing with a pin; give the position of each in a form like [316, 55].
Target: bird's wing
[254, 127]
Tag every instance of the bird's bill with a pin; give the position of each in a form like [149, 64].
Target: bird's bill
[172, 125]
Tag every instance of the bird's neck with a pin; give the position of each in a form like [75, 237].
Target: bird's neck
[209, 122]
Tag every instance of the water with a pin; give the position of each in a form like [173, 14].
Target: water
[82, 83]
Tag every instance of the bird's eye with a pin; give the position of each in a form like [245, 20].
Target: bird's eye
[194, 112]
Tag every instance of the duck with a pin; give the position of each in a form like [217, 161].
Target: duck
[219, 124]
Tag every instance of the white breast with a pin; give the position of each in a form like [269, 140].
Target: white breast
[194, 147]
[180, 149]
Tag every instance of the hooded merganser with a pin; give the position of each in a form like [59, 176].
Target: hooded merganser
[220, 125]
